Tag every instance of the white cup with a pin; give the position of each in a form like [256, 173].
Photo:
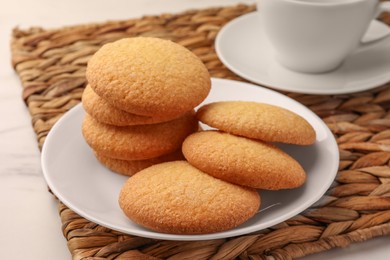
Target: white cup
[316, 36]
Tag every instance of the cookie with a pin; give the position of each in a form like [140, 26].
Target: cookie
[102, 111]
[138, 142]
[175, 197]
[243, 161]
[149, 76]
[129, 168]
[259, 121]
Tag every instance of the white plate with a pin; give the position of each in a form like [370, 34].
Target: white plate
[89, 189]
[244, 49]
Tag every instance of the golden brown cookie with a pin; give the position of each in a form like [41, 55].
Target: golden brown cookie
[149, 76]
[243, 161]
[259, 121]
[175, 197]
[102, 111]
[129, 168]
[138, 142]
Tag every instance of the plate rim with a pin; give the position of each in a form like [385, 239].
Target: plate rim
[164, 236]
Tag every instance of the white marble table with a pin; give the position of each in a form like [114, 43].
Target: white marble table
[30, 227]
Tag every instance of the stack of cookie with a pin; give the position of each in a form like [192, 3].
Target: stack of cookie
[140, 101]
[140, 122]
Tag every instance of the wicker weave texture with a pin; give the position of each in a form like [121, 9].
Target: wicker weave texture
[51, 65]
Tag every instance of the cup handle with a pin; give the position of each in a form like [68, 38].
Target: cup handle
[379, 35]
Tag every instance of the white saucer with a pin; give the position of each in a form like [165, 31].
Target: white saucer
[244, 49]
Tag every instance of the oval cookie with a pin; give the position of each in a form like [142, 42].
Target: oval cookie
[129, 168]
[243, 161]
[259, 121]
[138, 142]
[175, 197]
[149, 76]
[102, 111]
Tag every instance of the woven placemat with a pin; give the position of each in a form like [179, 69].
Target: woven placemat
[51, 65]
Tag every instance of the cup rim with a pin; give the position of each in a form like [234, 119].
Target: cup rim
[323, 3]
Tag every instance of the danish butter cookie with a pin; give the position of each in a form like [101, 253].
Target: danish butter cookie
[259, 121]
[138, 142]
[149, 76]
[103, 112]
[129, 168]
[243, 161]
[175, 197]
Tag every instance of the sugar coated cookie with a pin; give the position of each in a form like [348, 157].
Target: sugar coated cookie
[175, 197]
[129, 168]
[138, 142]
[243, 161]
[149, 76]
[258, 121]
[106, 113]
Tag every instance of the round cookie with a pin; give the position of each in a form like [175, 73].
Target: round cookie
[259, 121]
[243, 161]
[149, 76]
[138, 142]
[102, 111]
[129, 168]
[175, 197]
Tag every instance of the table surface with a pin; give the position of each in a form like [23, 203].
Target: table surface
[29, 221]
